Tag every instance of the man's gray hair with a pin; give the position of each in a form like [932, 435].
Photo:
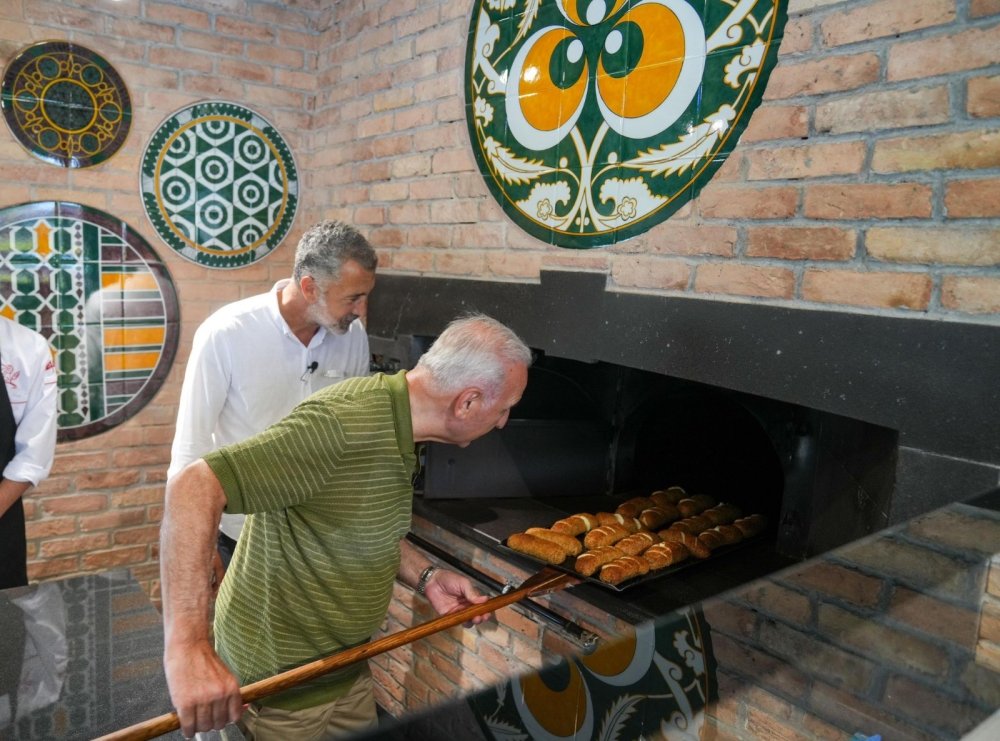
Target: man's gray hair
[325, 247]
[473, 350]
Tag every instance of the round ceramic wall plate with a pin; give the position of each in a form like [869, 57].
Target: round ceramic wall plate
[219, 184]
[65, 104]
[96, 290]
[594, 120]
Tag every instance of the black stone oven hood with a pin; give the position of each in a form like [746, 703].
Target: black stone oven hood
[933, 382]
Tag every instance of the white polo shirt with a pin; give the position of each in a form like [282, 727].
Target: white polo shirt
[30, 375]
[247, 370]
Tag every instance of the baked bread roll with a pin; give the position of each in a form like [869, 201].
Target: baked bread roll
[693, 525]
[657, 517]
[588, 562]
[730, 534]
[722, 514]
[575, 524]
[696, 504]
[751, 525]
[631, 524]
[668, 496]
[605, 535]
[568, 543]
[632, 507]
[532, 545]
[663, 554]
[636, 543]
[711, 539]
[698, 549]
[622, 569]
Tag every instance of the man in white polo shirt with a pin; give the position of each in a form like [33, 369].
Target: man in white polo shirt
[253, 360]
[27, 437]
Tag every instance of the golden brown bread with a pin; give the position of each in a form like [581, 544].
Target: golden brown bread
[663, 554]
[693, 525]
[689, 541]
[568, 543]
[588, 562]
[730, 534]
[539, 548]
[632, 507]
[722, 514]
[636, 543]
[668, 496]
[605, 535]
[613, 518]
[696, 504]
[751, 525]
[622, 569]
[711, 539]
[575, 524]
[656, 517]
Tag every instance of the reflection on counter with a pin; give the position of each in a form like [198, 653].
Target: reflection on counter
[80, 658]
[895, 635]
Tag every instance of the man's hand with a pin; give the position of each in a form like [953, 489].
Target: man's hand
[448, 591]
[204, 693]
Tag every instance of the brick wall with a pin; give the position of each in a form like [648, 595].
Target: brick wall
[878, 637]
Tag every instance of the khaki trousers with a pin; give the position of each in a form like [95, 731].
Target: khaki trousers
[346, 716]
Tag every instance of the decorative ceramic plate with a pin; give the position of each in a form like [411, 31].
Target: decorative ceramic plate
[65, 104]
[97, 291]
[594, 120]
[219, 184]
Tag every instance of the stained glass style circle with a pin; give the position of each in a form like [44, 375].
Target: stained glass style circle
[594, 120]
[65, 104]
[96, 290]
[219, 184]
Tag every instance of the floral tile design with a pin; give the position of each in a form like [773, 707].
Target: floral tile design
[594, 120]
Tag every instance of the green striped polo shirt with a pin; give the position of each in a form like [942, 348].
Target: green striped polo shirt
[329, 494]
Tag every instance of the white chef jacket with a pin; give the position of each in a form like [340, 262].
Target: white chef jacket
[247, 370]
[30, 375]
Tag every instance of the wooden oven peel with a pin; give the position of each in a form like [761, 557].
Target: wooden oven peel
[549, 579]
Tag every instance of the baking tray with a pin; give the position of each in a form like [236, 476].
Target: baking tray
[657, 575]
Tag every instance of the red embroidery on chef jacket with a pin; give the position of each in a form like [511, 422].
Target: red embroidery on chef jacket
[10, 375]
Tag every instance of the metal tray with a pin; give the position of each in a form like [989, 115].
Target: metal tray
[657, 575]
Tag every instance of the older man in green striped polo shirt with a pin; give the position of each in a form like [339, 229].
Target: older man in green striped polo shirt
[328, 490]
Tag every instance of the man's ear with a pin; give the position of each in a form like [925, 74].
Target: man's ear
[309, 288]
[467, 401]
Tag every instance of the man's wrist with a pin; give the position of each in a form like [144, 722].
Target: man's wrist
[425, 577]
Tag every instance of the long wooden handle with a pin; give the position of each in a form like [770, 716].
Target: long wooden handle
[546, 580]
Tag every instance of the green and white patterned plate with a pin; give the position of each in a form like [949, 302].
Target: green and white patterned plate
[95, 289]
[594, 120]
[65, 104]
[219, 184]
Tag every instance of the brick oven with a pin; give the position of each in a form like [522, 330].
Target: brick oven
[834, 424]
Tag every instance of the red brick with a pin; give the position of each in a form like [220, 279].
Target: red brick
[51, 568]
[747, 202]
[983, 97]
[871, 289]
[833, 580]
[892, 109]
[808, 161]
[972, 295]
[864, 201]
[938, 55]
[744, 280]
[961, 150]
[513, 265]
[935, 573]
[981, 8]
[771, 122]
[935, 245]
[51, 548]
[828, 75]
[460, 263]
[76, 503]
[640, 271]
[852, 712]
[177, 16]
[801, 243]
[973, 198]
[885, 18]
[928, 706]
[763, 725]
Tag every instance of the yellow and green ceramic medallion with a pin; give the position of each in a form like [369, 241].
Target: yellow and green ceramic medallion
[594, 120]
[96, 290]
[219, 184]
[65, 104]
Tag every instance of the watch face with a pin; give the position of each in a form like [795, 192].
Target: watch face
[65, 104]
[96, 290]
[594, 120]
[219, 184]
